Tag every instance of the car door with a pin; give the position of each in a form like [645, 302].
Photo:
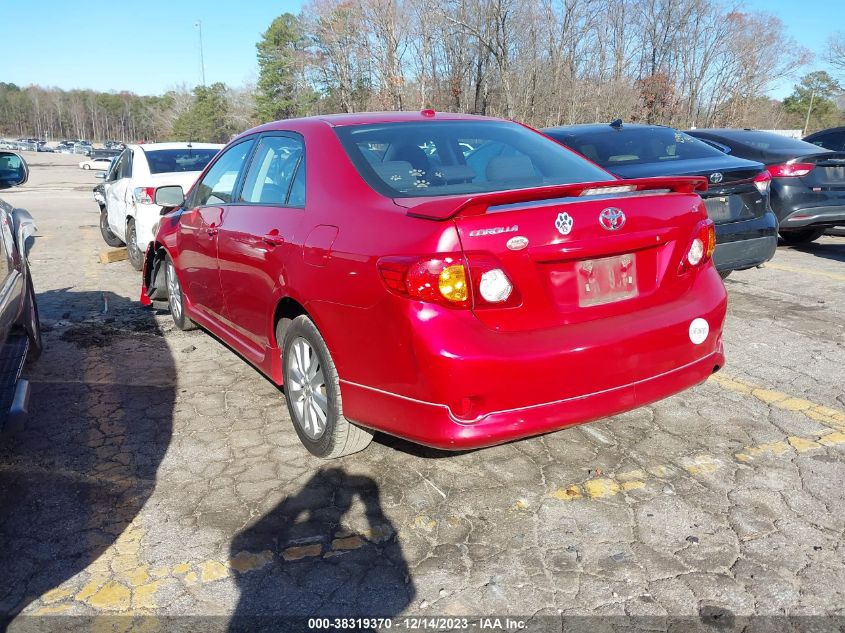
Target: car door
[11, 285]
[118, 193]
[260, 238]
[199, 224]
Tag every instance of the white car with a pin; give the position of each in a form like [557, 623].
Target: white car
[129, 213]
[101, 164]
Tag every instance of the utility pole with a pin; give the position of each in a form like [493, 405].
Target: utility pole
[810, 109]
[202, 60]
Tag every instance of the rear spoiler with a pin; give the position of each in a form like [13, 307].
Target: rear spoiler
[474, 204]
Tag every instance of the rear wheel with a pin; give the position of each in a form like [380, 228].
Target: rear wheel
[804, 236]
[175, 298]
[108, 235]
[312, 390]
[136, 255]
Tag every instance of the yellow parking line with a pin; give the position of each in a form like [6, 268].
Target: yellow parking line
[697, 466]
[806, 271]
[831, 418]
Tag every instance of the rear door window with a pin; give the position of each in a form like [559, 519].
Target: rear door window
[273, 172]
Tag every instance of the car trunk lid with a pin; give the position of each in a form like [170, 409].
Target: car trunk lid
[569, 265]
[828, 173]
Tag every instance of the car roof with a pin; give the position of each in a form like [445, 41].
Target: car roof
[829, 130]
[602, 127]
[150, 147]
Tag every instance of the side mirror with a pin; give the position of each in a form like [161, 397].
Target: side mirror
[101, 175]
[13, 170]
[170, 196]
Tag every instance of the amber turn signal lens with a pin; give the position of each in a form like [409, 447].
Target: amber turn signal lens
[453, 283]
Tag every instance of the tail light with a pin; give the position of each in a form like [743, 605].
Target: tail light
[145, 195]
[762, 181]
[701, 247]
[790, 170]
[476, 280]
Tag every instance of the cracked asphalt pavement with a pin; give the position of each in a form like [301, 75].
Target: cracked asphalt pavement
[159, 475]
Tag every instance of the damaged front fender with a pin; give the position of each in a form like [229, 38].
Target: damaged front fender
[153, 283]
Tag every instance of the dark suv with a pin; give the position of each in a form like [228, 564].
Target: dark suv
[737, 198]
[20, 328]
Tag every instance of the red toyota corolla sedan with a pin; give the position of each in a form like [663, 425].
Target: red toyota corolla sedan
[457, 281]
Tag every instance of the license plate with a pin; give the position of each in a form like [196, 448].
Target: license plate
[606, 280]
[718, 209]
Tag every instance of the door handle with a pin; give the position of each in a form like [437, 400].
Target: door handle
[274, 239]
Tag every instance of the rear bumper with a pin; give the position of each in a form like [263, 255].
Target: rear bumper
[474, 387]
[814, 216]
[747, 243]
[435, 425]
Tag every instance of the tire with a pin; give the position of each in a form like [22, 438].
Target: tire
[86, 167]
[322, 429]
[108, 236]
[176, 298]
[804, 236]
[136, 255]
[32, 322]
[724, 273]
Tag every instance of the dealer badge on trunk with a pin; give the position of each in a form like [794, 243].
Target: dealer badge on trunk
[564, 223]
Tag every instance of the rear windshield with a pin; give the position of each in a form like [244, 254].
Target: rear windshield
[438, 158]
[636, 146]
[768, 141]
[163, 161]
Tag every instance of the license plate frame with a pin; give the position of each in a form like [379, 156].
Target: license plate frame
[607, 280]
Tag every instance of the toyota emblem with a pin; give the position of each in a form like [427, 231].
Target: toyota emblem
[612, 219]
[716, 177]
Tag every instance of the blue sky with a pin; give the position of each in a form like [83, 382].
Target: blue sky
[147, 47]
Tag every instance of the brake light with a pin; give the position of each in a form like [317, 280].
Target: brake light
[701, 247]
[451, 280]
[790, 170]
[600, 191]
[762, 181]
[145, 195]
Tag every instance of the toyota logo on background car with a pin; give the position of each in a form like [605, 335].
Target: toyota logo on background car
[612, 218]
[716, 177]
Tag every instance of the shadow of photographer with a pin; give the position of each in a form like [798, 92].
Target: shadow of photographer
[328, 551]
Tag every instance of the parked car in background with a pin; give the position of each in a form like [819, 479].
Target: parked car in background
[832, 139]
[20, 327]
[737, 197]
[129, 213]
[808, 182]
[28, 144]
[83, 148]
[114, 145]
[43, 147]
[101, 164]
[105, 153]
[456, 297]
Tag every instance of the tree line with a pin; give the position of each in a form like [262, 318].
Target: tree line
[545, 62]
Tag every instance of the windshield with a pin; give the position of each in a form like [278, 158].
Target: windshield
[438, 158]
[163, 161]
[636, 146]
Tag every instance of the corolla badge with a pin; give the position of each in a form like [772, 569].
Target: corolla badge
[564, 223]
[716, 177]
[612, 219]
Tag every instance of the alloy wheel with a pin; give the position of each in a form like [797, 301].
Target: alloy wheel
[306, 388]
[174, 292]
